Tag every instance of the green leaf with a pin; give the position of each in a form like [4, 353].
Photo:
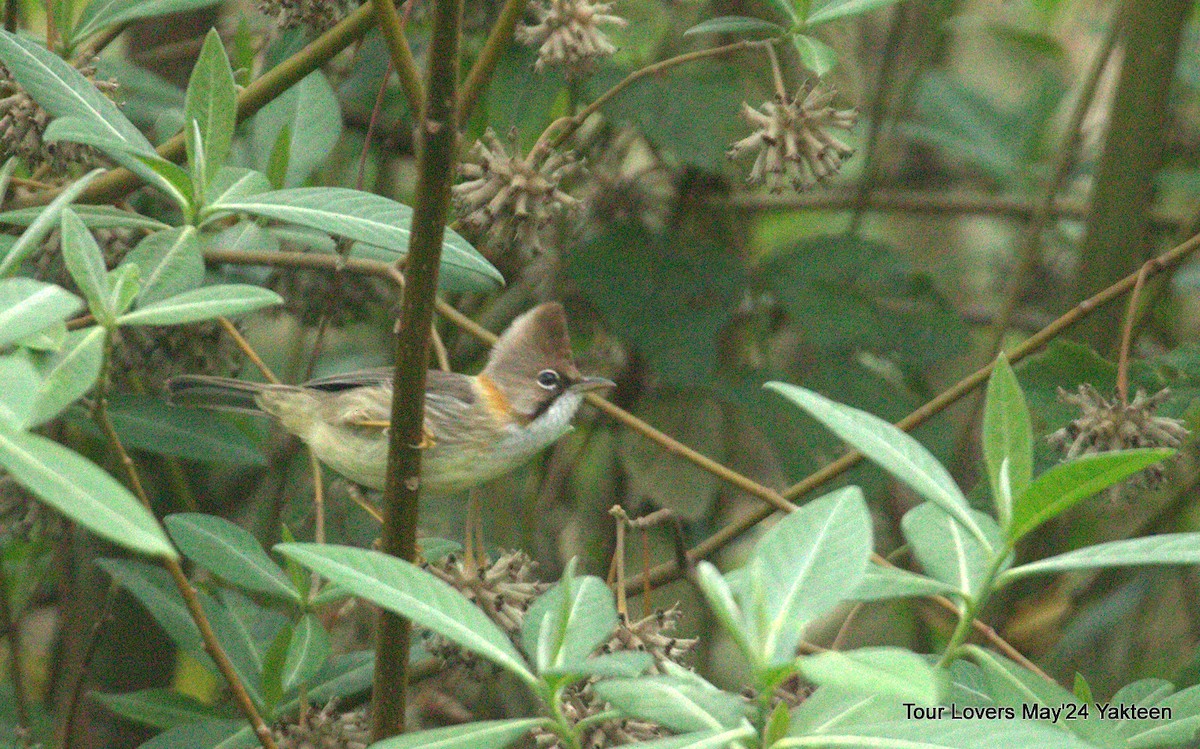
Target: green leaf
[787, 9]
[63, 92]
[942, 734]
[677, 704]
[94, 217]
[155, 590]
[622, 664]
[234, 183]
[307, 652]
[170, 263]
[299, 130]
[735, 25]
[211, 102]
[407, 590]
[28, 307]
[203, 304]
[716, 739]
[372, 219]
[210, 734]
[124, 283]
[161, 708]
[47, 219]
[724, 606]
[487, 734]
[99, 14]
[85, 262]
[1167, 548]
[883, 583]
[816, 55]
[342, 676]
[19, 394]
[802, 567]
[69, 373]
[229, 552]
[835, 9]
[272, 667]
[828, 709]
[149, 423]
[890, 449]
[256, 627]
[947, 552]
[1007, 439]
[569, 621]
[1067, 484]
[83, 492]
[886, 672]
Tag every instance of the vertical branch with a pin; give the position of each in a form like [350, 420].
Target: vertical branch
[437, 133]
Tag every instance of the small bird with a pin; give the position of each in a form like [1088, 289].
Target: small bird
[477, 427]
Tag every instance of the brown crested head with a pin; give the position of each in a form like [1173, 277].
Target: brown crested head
[532, 362]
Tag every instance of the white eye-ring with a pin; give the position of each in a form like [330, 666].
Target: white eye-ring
[549, 379]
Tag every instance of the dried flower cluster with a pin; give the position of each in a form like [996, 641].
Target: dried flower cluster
[509, 198]
[325, 729]
[569, 35]
[628, 183]
[792, 139]
[23, 121]
[1105, 425]
[317, 15]
[153, 353]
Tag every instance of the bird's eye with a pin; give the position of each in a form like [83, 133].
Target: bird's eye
[548, 379]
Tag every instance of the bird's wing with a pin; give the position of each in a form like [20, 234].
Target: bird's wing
[346, 380]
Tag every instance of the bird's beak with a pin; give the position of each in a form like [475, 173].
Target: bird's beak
[593, 383]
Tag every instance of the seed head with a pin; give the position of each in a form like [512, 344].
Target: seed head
[792, 138]
[569, 34]
[317, 15]
[23, 121]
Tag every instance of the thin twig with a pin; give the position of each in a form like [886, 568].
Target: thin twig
[211, 644]
[1127, 332]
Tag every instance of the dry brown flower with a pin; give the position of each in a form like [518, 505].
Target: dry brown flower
[569, 35]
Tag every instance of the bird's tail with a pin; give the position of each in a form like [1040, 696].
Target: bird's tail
[215, 393]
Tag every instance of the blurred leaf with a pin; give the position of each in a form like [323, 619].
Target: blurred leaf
[229, 552]
[407, 590]
[150, 101]
[891, 449]
[666, 479]
[724, 605]
[883, 583]
[161, 708]
[149, 423]
[831, 10]
[371, 219]
[735, 25]
[849, 294]
[691, 113]
[1184, 707]
[1007, 439]
[47, 218]
[234, 183]
[101, 13]
[307, 652]
[947, 552]
[943, 734]
[1067, 484]
[622, 664]
[886, 672]
[69, 373]
[307, 120]
[342, 676]
[621, 272]
[488, 734]
[211, 102]
[155, 590]
[1166, 548]
[678, 705]
[569, 621]
[83, 492]
[210, 734]
[204, 303]
[255, 626]
[526, 102]
[19, 394]
[64, 92]
[715, 739]
[816, 55]
[28, 306]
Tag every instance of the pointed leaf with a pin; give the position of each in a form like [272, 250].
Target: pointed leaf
[407, 590]
[17, 397]
[836, 9]
[28, 307]
[890, 449]
[296, 133]
[568, 622]
[371, 219]
[149, 423]
[170, 262]
[94, 217]
[487, 734]
[161, 708]
[83, 492]
[229, 552]
[99, 14]
[624, 664]
[724, 606]
[816, 55]
[735, 25]
[716, 739]
[211, 102]
[1167, 548]
[68, 374]
[85, 262]
[1067, 484]
[47, 219]
[676, 704]
[1007, 439]
[209, 734]
[883, 583]
[891, 673]
[203, 304]
[154, 589]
